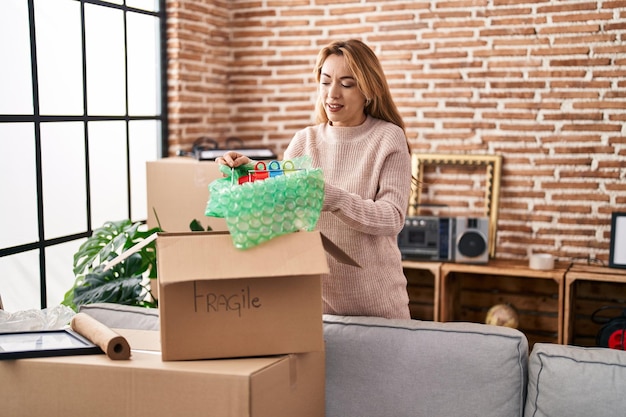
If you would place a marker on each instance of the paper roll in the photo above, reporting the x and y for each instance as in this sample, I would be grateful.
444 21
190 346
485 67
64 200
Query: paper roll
116 347
541 261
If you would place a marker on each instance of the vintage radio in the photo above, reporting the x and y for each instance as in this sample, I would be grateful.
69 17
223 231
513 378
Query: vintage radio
426 238
447 239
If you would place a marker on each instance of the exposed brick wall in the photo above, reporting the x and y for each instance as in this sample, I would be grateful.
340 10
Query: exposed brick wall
540 82
199 61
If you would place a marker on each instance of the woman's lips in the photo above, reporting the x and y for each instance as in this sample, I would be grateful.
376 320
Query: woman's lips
334 107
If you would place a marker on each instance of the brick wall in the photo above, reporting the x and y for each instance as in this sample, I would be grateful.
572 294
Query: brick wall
199 62
540 82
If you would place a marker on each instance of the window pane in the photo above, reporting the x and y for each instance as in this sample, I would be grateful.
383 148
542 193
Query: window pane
108 172
63 171
143 65
18 185
60 277
16 92
59 57
149 5
19 281
104 31
144 138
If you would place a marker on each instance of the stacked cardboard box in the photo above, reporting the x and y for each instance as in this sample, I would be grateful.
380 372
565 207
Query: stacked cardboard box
217 301
241 330
256 315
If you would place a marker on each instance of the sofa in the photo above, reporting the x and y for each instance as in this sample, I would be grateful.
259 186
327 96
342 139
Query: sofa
398 368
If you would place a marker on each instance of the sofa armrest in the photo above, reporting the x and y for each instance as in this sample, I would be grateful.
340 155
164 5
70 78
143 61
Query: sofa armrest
575 381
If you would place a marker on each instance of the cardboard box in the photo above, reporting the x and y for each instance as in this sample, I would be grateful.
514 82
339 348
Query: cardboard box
178 191
145 386
217 301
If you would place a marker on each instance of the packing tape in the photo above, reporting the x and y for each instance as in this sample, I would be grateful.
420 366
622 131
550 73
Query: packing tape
116 347
541 261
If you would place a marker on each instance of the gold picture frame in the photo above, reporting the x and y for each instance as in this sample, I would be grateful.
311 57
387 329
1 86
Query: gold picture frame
493 170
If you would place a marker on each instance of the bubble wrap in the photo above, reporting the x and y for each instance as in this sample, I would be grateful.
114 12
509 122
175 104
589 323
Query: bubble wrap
258 211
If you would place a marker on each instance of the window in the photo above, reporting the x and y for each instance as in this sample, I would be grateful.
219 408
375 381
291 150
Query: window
82 108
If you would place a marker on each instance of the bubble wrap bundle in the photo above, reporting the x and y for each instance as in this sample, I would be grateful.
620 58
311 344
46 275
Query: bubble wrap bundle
261 210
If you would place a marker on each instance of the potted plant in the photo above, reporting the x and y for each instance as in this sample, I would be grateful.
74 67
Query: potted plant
127 282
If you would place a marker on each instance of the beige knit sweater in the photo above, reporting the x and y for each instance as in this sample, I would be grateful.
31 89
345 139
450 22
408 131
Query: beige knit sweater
367 173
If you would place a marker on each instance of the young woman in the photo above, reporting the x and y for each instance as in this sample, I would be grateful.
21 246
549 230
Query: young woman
361 146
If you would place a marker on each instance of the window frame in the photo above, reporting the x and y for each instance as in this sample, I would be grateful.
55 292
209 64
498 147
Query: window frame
37 119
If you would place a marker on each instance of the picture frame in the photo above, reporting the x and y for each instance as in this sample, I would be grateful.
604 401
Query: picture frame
43 343
487 167
617 249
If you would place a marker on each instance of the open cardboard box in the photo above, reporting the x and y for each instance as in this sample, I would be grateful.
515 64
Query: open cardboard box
145 386
217 301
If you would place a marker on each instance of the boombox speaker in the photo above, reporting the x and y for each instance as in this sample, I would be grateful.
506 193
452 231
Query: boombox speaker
472 240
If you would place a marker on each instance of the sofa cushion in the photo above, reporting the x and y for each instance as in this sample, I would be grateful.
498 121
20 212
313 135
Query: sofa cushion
119 316
574 381
383 368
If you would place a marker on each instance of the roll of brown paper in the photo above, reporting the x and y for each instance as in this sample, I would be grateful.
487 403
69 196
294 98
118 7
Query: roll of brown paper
116 347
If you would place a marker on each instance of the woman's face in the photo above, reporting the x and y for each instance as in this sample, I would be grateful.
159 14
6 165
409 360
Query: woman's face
343 101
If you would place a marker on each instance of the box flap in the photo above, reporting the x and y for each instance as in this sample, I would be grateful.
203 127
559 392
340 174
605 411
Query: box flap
178 191
332 249
337 253
119 258
289 255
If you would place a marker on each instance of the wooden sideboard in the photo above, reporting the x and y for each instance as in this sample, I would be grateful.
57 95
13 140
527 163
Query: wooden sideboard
424 287
588 288
554 306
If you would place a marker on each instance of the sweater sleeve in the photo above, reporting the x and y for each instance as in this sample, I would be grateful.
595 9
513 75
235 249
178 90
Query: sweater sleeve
370 195
384 213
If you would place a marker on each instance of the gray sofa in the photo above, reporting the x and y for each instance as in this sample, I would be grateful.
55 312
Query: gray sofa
399 368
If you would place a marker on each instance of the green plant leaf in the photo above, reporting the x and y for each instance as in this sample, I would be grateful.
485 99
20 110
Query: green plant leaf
122 283
102 245
196 226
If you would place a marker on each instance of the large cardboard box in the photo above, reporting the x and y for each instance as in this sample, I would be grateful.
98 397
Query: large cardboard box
178 192
145 386
217 301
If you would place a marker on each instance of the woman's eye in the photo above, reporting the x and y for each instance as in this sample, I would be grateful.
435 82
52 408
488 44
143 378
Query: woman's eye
343 85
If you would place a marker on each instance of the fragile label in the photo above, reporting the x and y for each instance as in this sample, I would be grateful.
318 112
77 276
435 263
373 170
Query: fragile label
215 302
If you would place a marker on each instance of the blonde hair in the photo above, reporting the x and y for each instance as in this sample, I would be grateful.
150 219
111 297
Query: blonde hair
369 76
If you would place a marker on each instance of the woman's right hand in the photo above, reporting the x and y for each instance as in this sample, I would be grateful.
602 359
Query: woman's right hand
233 159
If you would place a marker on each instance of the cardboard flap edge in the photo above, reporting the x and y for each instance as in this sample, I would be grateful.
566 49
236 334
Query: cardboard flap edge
119 258
337 253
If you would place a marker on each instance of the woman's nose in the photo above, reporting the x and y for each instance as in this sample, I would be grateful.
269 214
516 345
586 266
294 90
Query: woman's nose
334 90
